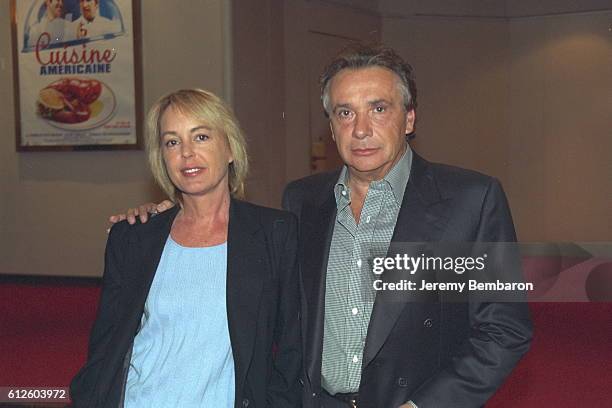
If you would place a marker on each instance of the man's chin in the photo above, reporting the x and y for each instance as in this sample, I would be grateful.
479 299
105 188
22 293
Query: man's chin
373 171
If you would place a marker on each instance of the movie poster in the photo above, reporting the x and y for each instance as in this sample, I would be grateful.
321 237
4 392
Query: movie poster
76 74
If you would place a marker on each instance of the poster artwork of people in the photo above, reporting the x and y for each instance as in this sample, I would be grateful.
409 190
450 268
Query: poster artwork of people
76 72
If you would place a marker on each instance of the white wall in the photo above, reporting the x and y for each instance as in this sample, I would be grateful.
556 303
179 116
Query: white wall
54 205
462 81
527 100
560 105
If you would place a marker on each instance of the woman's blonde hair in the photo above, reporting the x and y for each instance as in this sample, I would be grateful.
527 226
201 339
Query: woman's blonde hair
211 110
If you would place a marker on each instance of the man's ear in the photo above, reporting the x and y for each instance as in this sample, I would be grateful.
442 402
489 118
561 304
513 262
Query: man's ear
410 119
332 131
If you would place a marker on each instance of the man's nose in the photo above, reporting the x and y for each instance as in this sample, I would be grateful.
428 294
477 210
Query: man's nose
363 126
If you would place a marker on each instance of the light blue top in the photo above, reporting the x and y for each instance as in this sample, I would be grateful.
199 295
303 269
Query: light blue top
182 355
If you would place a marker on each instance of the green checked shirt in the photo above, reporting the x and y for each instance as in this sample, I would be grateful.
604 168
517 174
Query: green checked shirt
349 295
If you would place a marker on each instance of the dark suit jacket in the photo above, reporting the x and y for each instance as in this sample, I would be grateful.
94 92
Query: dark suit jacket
438 354
262 306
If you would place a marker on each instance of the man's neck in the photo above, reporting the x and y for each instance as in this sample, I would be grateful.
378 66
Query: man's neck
359 190
359 184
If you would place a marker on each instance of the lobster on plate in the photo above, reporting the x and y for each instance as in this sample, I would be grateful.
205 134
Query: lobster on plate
67 100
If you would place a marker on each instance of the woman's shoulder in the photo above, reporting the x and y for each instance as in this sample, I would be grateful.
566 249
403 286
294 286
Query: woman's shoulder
262 213
124 231
280 224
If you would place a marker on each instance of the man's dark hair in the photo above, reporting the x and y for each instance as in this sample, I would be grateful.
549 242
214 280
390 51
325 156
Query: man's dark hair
359 55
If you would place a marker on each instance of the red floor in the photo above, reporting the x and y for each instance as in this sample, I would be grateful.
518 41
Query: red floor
44 330
570 361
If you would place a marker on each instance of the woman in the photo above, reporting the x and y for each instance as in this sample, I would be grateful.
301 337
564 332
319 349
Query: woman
194 301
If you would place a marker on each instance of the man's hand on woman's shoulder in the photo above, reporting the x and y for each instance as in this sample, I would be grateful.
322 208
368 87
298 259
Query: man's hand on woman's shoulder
141 212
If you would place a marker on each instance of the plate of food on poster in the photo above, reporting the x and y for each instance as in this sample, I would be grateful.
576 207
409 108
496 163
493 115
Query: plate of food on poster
73 103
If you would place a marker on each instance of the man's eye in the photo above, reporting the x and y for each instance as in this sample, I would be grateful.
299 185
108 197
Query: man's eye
344 113
202 137
379 109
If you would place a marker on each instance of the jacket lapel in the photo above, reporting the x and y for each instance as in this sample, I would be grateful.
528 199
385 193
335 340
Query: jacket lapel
137 279
422 218
151 240
246 252
316 221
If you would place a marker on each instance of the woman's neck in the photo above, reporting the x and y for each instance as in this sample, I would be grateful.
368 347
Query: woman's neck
202 221
205 207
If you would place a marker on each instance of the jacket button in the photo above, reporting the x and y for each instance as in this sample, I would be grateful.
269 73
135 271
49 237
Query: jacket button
245 402
402 382
428 323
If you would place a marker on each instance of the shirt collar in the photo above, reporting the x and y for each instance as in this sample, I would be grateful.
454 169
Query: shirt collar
397 179
399 175
341 189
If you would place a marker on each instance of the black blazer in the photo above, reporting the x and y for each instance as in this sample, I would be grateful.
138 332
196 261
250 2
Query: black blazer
438 354
262 306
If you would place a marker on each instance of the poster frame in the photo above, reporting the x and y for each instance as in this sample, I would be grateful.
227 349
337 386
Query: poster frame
138 108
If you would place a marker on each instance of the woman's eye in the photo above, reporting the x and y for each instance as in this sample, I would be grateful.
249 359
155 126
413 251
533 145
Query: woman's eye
170 143
202 137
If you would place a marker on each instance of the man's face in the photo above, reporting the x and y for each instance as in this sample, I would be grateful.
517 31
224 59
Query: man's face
368 120
89 9
55 8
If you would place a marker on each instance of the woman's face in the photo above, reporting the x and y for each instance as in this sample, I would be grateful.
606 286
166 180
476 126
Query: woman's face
196 155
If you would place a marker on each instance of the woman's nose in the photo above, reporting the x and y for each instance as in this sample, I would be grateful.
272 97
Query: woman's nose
186 150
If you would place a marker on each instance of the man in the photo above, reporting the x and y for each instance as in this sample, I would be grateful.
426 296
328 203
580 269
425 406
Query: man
390 354
90 24
51 23
361 350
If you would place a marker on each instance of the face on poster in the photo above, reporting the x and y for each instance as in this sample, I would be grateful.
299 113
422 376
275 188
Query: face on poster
76 73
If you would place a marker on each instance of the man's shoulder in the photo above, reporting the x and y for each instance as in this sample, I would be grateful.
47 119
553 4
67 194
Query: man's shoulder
314 182
456 174
314 189
452 181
